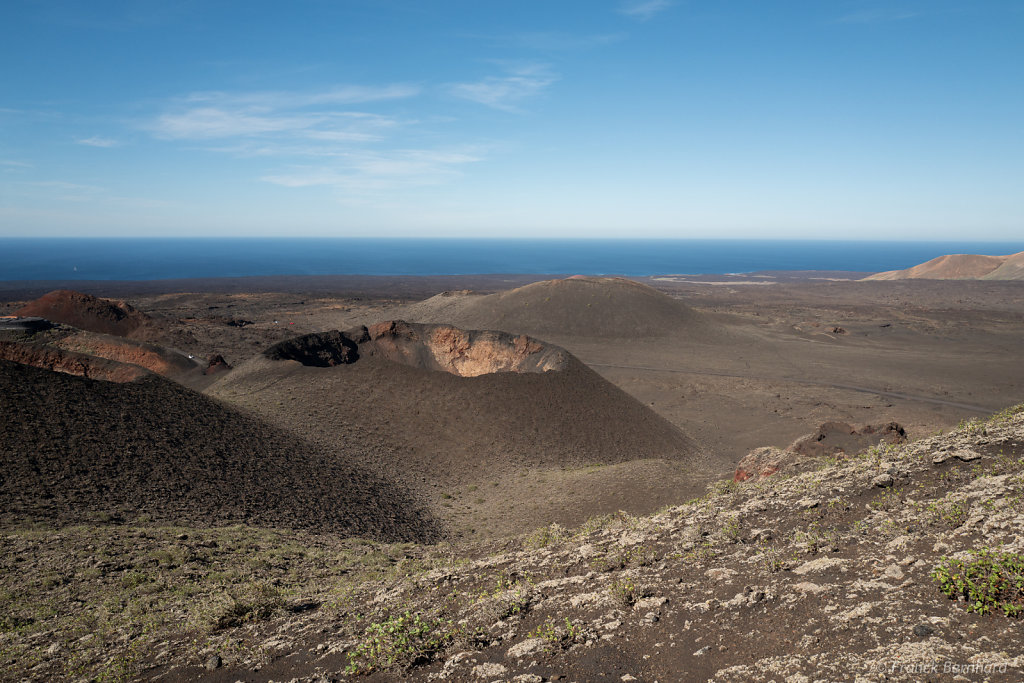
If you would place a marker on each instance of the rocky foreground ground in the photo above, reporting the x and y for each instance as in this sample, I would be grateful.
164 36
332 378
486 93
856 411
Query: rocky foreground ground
901 563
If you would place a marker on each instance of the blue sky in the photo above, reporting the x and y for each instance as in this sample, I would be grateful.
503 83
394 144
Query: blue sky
841 119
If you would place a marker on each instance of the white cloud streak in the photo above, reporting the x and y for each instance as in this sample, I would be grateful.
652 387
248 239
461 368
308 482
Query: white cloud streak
316 142
506 92
98 141
646 9
370 172
212 115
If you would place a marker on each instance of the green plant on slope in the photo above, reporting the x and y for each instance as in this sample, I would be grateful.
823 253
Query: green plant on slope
400 642
987 580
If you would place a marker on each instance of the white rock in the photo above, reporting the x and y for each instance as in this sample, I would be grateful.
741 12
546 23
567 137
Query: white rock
819 565
489 670
808 587
720 573
893 572
649 603
527 647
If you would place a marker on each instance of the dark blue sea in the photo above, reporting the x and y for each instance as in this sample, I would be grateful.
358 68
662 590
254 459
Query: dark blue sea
158 258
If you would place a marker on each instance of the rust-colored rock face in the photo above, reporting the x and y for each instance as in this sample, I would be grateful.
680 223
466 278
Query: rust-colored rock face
465 353
760 463
70 362
86 312
153 358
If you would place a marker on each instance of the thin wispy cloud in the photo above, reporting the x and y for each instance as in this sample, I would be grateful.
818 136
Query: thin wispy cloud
645 9
385 168
98 141
348 94
314 140
877 16
213 115
521 82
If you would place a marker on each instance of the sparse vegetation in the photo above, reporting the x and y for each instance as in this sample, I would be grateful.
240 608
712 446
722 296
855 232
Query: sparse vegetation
558 635
399 642
950 514
985 581
624 591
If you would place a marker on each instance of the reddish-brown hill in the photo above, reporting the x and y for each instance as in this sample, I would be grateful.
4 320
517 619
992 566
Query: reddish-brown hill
961 267
1012 269
70 362
73 448
86 312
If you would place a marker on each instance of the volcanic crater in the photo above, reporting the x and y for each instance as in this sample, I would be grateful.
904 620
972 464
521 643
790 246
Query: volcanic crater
443 348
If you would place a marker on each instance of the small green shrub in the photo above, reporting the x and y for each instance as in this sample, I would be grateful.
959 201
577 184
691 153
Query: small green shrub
951 515
399 643
561 636
773 560
624 591
891 499
987 580
815 539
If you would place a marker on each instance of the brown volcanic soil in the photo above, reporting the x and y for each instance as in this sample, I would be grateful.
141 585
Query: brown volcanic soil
444 430
447 426
74 448
86 312
576 306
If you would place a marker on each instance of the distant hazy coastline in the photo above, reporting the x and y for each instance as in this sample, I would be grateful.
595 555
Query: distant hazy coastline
166 258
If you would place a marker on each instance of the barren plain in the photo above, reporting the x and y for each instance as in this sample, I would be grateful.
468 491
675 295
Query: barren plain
398 475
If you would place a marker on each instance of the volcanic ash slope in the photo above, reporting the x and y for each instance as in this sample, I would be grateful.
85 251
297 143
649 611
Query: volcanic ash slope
450 405
575 307
75 449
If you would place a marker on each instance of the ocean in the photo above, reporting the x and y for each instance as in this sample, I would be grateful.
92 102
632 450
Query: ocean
164 258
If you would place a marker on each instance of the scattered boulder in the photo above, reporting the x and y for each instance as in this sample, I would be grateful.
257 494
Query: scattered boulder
840 438
831 439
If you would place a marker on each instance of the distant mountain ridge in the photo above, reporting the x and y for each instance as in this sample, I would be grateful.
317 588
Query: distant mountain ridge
961 267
